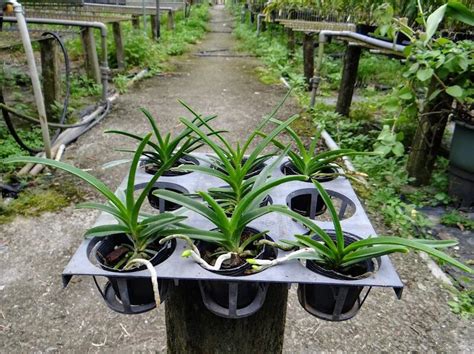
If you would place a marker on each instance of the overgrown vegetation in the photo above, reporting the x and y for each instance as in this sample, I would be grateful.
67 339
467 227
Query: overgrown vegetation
9 147
375 123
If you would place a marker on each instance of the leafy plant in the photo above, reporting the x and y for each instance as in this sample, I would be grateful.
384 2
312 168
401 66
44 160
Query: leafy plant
141 229
166 148
463 303
307 161
229 229
232 165
455 218
334 255
388 142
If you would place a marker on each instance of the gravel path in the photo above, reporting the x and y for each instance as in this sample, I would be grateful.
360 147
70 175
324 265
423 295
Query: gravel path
36 314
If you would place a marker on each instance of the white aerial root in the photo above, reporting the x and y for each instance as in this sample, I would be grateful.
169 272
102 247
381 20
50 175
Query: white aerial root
261 264
197 258
153 276
196 255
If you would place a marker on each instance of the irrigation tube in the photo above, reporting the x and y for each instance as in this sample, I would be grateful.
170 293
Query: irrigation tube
349 34
35 81
103 33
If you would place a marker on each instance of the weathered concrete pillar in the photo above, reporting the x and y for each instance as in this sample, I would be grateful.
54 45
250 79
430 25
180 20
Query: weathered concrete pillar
119 49
51 75
90 51
191 328
348 80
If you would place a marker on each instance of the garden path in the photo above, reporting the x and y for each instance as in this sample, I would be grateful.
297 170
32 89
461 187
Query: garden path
36 314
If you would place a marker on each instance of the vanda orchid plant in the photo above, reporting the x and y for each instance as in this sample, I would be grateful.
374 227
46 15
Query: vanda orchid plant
338 256
142 230
236 166
227 232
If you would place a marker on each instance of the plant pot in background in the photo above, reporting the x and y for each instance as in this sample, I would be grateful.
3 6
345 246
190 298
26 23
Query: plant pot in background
139 290
151 169
289 169
336 302
461 165
165 205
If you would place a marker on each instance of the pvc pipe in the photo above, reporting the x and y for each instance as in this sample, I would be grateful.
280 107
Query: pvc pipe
103 32
35 81
360 37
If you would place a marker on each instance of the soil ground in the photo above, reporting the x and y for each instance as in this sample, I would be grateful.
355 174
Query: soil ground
37 314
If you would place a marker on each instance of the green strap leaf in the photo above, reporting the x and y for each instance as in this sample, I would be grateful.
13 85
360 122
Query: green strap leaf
106 230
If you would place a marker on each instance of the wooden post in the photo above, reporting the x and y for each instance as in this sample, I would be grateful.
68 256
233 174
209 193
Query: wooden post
170 20
119 50
191 328
428 137
308 58
291 43
153 27
90 51
136 22
348 80
51 75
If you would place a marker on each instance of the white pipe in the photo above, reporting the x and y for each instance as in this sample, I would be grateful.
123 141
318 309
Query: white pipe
35 81
360 37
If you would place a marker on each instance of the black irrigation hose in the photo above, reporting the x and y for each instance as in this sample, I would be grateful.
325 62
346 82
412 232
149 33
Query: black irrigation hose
23 116
6 110
12 130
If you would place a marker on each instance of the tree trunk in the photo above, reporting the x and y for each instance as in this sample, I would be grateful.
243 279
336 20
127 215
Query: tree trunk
348 80
308 58
191 328
428 137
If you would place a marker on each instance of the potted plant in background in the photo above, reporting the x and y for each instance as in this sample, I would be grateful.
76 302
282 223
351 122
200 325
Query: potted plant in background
233 165
166 147
340 255
134 235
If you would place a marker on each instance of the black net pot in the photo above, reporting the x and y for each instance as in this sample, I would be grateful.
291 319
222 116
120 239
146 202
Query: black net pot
289 169
336 302
218 291
165 205
140 290
152 169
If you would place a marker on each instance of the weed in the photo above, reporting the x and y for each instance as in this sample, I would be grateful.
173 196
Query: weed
457 219
463 303
9 147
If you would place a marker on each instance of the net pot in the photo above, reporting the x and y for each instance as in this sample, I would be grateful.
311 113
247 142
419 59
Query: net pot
234 299
139 290
151 168
336 302
165 205
289 169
